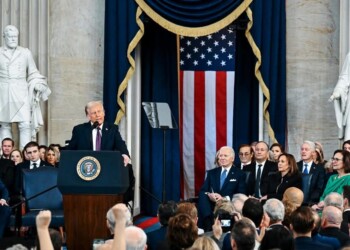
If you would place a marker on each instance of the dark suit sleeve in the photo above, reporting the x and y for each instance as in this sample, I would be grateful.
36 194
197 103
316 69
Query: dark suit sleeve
4 192
204 203
242 185
119 142
73 143
319 186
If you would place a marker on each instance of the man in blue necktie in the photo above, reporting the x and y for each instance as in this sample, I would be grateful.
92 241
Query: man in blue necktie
221 183
312 188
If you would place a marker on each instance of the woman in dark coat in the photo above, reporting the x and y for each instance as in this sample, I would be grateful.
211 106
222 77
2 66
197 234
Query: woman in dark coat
287 176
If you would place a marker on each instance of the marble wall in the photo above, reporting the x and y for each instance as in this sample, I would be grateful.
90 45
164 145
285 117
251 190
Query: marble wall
76 52
312 72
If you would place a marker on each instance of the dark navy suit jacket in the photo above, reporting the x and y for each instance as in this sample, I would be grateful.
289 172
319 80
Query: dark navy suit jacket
111 138
234 183
316 184
269 167
5 211
306 243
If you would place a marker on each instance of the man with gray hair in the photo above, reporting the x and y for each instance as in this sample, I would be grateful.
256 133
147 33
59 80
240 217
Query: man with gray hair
22 87
135 238
274 209
311 187
111 219
330 225
334 199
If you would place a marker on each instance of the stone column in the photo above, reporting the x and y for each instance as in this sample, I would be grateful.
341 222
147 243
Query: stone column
312 72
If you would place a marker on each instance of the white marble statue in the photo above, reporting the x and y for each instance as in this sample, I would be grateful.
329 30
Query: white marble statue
341 98
21 89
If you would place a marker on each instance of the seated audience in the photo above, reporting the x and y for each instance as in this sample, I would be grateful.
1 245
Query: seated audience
121 216
7 145
346 145
319 155
321 238
258 178
274 211
51 156
243 235
277 238
330 225
135 238
238 202
5 211
220 183
190 209
341 164
346 212
182 232
16 156
32 150
287 176
302 224
165 212
7 174
312 189
253 210
42 150
111 219
205 243
292 199
245 153
276 150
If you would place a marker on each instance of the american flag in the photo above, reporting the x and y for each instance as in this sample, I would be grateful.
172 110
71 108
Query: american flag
206 89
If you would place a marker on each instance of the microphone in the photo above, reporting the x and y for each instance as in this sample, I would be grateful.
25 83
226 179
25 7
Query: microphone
95 125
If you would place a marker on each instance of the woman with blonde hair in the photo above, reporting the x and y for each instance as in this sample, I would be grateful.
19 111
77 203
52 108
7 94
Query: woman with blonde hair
16 156
205 243
292 199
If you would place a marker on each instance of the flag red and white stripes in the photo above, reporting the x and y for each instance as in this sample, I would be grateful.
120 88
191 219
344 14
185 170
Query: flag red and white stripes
206 104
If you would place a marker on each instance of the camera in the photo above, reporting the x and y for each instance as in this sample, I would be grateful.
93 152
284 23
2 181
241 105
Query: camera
226 220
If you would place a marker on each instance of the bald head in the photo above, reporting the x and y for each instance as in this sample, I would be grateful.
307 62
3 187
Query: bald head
331 217
135 238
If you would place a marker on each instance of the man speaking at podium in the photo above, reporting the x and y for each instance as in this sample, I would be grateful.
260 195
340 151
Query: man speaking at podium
99 135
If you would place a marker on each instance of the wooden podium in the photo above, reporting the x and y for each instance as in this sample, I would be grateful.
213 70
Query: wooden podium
91 182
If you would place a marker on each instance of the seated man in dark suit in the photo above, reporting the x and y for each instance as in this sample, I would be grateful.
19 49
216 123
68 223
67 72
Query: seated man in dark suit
221 183
330 225
302 223
5 211
99 135
157 238
313 188
346 212
7 174
32 150
7 145
259 170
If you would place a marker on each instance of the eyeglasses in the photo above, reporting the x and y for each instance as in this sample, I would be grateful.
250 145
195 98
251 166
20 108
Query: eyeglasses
336 159
244 154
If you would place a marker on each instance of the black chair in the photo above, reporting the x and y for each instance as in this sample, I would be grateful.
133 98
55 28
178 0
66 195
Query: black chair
41 193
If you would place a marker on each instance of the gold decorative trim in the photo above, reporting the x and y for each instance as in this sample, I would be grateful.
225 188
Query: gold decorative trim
124 84
88 168
258 75
197 31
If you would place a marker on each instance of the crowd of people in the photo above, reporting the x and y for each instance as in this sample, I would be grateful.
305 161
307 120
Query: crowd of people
267 201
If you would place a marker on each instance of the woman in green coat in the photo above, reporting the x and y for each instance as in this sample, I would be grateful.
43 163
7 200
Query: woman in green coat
340 164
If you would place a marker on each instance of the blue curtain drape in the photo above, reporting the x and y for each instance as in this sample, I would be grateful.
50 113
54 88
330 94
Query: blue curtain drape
120 29
159 81
269 32
193 13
